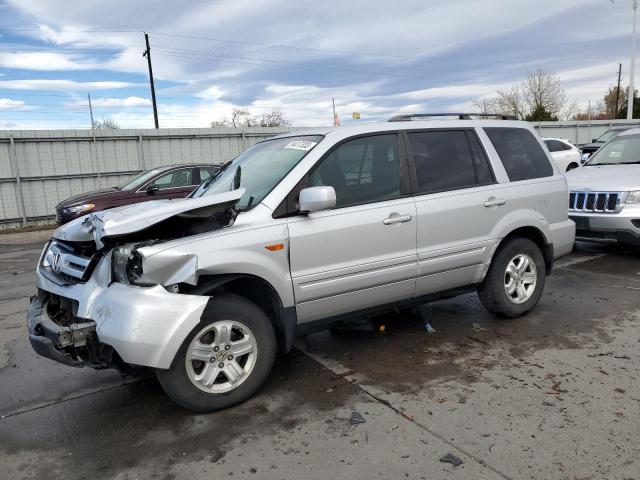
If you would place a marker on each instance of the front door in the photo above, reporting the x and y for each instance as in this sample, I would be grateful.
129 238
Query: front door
362 253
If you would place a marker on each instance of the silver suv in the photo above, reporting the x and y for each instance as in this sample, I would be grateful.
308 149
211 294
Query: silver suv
295 233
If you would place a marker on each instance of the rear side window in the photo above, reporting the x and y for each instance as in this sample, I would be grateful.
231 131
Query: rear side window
448 160
521 154
554 145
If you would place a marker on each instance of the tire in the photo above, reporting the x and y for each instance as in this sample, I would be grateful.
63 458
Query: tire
186 382
571 166
493 290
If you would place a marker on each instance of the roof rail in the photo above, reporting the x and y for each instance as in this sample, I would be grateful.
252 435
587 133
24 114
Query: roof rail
461 116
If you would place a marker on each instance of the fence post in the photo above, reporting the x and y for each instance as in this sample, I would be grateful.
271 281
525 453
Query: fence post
16 172
140 153
577 132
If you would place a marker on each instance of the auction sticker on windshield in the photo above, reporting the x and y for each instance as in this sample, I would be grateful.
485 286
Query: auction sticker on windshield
300 145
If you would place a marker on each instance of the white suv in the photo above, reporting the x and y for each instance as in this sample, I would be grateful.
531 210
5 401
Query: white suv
295 233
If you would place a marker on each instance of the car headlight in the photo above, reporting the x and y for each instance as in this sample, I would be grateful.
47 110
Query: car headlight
584 157
126 264
633 197
85 207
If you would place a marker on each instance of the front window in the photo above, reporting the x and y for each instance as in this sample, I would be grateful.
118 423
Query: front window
138 180
619 151
608 135
259 169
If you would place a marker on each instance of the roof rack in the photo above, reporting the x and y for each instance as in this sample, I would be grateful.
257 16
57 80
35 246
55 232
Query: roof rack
461 116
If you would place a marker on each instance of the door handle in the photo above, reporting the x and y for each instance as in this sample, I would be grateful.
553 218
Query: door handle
396 218
494 202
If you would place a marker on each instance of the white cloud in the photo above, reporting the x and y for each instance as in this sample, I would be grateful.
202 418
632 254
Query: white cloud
62 85
9 104
113 102
45 61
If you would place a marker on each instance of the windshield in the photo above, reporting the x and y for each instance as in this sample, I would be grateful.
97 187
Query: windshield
608 135
138 180
620 150
258 169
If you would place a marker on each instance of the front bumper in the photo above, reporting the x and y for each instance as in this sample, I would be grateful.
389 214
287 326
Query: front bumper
622 227
144 326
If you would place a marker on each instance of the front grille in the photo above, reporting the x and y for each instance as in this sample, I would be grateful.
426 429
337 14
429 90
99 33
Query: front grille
67 263
596 202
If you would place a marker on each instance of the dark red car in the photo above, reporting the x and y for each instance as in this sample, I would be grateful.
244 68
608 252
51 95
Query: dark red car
172 181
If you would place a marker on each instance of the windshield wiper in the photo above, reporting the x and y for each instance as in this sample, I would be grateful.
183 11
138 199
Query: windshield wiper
207 183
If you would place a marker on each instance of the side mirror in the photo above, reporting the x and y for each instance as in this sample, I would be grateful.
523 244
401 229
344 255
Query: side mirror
152 188
594 140
314 199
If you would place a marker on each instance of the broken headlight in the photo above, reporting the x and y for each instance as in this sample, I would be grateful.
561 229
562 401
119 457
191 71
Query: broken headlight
126 264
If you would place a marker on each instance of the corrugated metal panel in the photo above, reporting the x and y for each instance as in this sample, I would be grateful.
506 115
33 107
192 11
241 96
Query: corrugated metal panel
57 164
580 132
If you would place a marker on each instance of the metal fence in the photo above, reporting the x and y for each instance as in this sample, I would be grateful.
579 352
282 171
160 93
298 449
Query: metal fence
579 132
38 168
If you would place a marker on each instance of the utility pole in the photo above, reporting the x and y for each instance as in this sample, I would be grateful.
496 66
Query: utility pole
147 53
617 109
336 121
634 4
93 133
93 125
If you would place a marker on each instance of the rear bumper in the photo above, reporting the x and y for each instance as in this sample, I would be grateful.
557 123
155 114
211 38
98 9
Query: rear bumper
562 236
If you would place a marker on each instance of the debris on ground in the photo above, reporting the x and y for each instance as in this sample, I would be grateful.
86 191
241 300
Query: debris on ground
430 330
620 390
393 428
477 328
477 340
548 404
452 459
357 418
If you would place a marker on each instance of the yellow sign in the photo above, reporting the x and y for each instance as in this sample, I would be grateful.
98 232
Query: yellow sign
356 115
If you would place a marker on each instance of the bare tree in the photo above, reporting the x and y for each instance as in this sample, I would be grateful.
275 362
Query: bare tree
274 118
542 91
241 117
106 123
511 102
486 105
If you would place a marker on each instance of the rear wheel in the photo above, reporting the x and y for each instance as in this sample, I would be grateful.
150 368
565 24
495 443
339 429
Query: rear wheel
515 280
225 359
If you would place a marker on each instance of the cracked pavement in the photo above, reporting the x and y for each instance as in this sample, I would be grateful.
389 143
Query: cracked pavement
554 394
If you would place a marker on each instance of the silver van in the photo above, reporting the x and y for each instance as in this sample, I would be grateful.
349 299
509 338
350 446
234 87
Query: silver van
297 232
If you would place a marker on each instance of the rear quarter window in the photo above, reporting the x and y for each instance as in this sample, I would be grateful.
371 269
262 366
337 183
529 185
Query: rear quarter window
521 154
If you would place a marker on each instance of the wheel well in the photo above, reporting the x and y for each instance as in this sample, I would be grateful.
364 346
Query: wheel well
572 165
260 292
537 237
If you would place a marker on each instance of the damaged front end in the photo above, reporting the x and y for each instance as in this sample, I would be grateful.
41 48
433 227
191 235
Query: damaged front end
89 309
57 333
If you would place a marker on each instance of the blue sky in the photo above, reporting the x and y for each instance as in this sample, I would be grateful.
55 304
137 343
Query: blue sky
378 58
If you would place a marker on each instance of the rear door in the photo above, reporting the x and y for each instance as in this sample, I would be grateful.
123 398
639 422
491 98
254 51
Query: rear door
459 206
363 252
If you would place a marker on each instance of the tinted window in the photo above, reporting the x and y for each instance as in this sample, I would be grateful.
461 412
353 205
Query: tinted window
362 170
520 152
566 145
444 161
205 172
554 145
484 173
175 179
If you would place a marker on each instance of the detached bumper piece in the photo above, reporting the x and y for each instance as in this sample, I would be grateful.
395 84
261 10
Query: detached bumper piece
63 337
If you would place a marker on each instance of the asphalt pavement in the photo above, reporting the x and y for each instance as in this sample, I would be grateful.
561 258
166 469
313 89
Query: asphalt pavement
554 394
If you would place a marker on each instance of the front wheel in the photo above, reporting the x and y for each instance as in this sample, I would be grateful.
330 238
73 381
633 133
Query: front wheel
515 280
571 166
225 359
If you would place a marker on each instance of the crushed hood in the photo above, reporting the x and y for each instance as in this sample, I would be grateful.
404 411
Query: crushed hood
605 178
129 219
